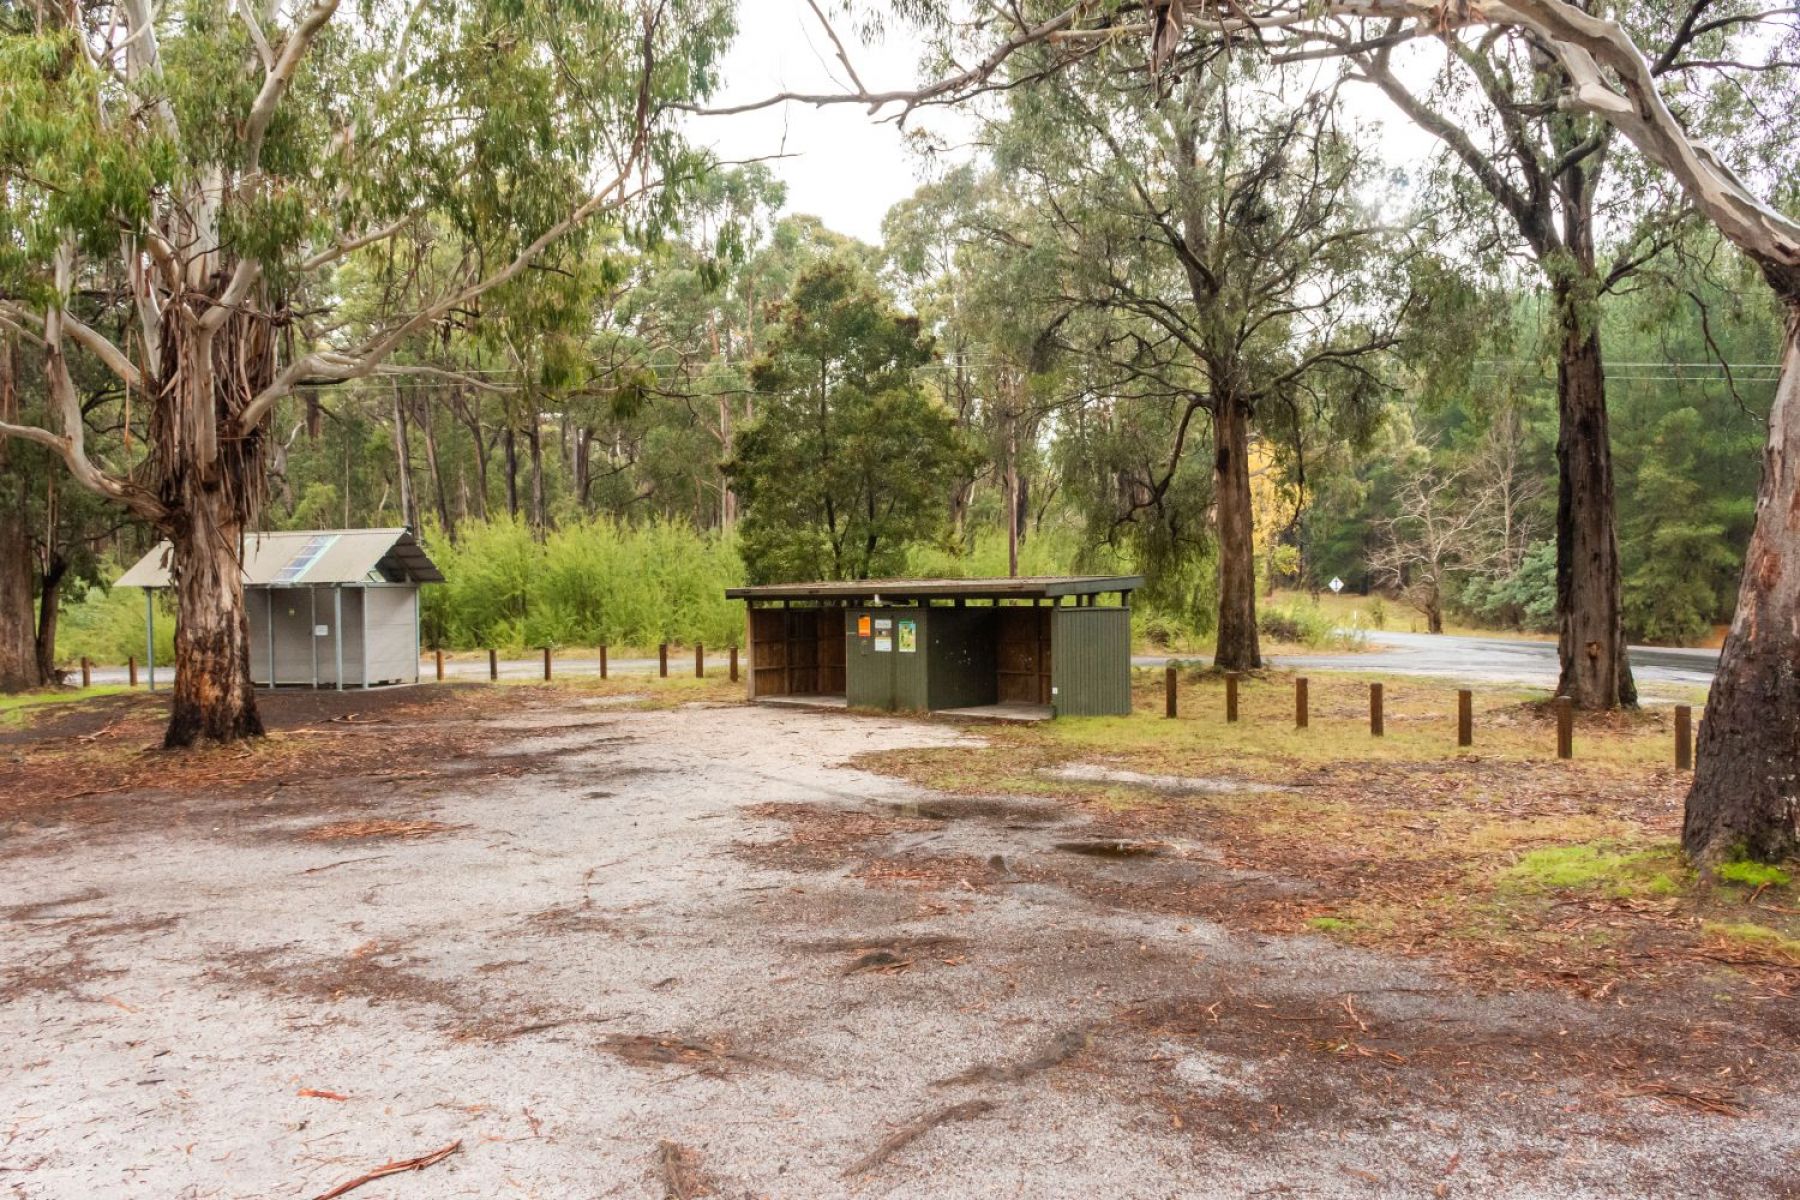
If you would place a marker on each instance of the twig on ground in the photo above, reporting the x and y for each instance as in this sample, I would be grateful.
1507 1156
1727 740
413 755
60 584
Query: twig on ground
398 1166
917 1128
344 862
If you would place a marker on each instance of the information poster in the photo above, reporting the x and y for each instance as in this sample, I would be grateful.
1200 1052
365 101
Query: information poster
909 637
862 625
883 644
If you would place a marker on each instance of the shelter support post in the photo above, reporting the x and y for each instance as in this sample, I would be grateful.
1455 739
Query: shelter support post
269 628
337 634
150 634
312 633
363 639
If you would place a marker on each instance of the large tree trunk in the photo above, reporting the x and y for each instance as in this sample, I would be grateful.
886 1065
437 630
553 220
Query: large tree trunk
1237 648
214 700
49 608
18 657
1596 673
1746 795
18 650
211 488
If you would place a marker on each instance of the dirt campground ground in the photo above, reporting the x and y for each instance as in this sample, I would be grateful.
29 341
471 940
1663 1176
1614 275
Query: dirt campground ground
462 942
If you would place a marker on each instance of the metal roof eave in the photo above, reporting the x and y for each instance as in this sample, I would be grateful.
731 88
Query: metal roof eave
1029 588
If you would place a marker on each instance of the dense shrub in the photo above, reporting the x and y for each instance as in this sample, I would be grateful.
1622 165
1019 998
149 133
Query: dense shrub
590 582
1304 624
107 625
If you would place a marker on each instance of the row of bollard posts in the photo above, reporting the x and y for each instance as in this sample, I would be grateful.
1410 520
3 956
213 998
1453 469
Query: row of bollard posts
1563 707
493 657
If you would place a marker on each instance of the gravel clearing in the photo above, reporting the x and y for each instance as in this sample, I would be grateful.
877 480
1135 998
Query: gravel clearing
596 981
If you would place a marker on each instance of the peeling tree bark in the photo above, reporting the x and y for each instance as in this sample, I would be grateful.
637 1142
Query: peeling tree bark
1746 795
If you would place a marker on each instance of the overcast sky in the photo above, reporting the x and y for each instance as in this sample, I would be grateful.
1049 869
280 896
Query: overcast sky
848 168
842 165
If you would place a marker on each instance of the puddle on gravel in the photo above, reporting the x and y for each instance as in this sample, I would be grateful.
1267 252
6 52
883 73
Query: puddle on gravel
1115 848
1095 773
973 809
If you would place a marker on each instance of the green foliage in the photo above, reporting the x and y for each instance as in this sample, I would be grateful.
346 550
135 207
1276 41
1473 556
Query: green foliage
107 625
1304 623
591 582
1523 599
849 462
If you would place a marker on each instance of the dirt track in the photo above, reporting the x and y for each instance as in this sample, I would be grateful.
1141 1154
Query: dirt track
620 953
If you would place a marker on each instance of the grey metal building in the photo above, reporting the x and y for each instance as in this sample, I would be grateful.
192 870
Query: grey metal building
1020 649
328 608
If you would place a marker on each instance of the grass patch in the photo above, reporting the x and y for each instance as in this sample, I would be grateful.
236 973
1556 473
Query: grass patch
18 711
1602 866
1331 924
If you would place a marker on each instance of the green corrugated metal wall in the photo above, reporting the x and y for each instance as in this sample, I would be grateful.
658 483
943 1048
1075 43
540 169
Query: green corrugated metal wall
891 678
954 662
961 657
1090 661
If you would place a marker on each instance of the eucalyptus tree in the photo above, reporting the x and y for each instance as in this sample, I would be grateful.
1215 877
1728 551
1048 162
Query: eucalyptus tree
1745 797
1228 229
211 163
1559 180
847 462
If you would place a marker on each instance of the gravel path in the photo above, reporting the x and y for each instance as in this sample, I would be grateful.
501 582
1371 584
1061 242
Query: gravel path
593 980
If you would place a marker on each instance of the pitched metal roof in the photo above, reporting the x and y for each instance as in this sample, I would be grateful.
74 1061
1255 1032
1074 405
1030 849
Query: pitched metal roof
1030 587
336 556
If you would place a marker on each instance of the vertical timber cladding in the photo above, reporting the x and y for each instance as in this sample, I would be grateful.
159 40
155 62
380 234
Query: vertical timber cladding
796 652
1092 661
1025 658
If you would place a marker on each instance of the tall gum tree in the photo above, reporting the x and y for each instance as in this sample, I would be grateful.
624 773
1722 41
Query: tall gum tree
1746 792
211 163
1228 232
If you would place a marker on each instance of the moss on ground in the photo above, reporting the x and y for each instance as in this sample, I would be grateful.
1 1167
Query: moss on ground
1602 866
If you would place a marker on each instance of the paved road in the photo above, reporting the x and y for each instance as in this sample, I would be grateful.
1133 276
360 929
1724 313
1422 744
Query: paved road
1491 660
1474 659
681 663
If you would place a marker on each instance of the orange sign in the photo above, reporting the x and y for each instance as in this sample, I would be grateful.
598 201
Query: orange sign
862 625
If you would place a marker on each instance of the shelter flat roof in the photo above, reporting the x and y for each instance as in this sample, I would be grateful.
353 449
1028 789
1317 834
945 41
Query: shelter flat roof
338 556
1030 587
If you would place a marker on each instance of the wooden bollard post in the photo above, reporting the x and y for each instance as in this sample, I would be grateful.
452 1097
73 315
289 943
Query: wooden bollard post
1300 703
1465 717
1565 727
699 661
546 664
1684 738
87 672
603 660
131 668
662 660
440 666
493 666
1376 719
1231 686
734 675
1169 690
